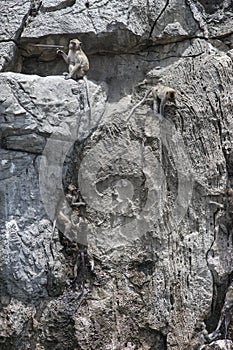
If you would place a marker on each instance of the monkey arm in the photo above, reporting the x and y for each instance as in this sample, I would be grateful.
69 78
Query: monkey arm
64 56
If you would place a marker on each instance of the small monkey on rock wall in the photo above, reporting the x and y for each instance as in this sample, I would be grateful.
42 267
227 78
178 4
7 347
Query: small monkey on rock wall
76 59
161 94
78 64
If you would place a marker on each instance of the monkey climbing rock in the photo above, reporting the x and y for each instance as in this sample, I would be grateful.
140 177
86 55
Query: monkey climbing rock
161 94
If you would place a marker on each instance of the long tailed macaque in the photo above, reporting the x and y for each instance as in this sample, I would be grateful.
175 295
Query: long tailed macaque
161 94
76 59
78 63
225 314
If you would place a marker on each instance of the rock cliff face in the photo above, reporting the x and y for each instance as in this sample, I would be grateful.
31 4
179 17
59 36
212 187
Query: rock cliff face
116 232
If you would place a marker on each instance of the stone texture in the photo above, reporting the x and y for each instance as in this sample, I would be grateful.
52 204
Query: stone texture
10 59
220 344
13 16
147 264
129 25
12 26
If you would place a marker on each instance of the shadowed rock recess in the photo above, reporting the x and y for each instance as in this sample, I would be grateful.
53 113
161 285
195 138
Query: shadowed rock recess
116 233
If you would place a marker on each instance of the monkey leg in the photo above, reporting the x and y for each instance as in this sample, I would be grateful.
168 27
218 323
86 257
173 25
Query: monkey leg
64 56
75 71
82 73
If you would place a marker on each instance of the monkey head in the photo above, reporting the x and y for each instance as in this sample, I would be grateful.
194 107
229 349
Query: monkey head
75 45
170 94
229 192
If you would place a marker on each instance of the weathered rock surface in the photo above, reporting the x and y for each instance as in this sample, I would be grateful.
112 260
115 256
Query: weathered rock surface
158 259
12 26
218 345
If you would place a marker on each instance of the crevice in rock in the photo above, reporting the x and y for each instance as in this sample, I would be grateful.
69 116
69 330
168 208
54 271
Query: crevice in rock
198 16
158 17
222 226
222 36
33 10
15 92
60 6
8 41
219 292
31 143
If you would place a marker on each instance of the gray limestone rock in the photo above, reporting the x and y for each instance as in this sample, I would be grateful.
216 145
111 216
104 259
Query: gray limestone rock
116 233
12 26
219 345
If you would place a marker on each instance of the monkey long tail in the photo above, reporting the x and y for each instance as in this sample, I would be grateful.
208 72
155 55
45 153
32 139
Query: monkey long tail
88 99
138 104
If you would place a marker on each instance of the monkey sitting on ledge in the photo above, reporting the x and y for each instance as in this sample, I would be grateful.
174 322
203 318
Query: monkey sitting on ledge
76 59
78 65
